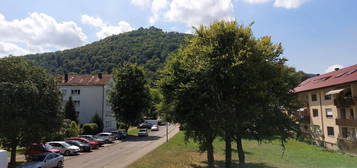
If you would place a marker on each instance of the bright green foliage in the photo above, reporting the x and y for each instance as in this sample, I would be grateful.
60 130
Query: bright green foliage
227 82
70 111
130 96
30 104
148 47
98 120
72 130
90 129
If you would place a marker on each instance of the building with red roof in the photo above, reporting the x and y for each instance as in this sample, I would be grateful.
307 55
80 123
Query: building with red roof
90 96
330 108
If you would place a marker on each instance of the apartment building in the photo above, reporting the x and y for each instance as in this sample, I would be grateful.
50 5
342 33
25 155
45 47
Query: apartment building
330 108
90 96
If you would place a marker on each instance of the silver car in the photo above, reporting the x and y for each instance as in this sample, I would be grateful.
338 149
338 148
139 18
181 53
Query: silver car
65 148
44 160
106 136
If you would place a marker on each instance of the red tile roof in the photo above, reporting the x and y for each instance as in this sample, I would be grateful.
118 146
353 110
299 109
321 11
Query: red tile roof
342 76
84 80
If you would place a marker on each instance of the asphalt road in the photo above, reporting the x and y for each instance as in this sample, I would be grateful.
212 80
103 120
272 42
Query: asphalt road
123 153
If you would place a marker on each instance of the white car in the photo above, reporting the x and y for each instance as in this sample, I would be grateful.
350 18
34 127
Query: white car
155 128
44 160
143 132
106 136
3 159
65 148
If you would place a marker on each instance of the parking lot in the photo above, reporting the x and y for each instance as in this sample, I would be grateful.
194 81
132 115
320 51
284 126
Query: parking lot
120 153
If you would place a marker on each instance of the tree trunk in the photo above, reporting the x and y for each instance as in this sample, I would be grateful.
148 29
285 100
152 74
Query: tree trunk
210 155
13 155
228 140
241 154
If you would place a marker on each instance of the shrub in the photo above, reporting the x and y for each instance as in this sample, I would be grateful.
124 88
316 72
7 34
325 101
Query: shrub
73 130
90 128
96 119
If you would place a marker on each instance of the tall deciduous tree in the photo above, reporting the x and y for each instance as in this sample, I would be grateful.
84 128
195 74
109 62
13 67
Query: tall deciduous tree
30 104
70 111
129 97
227 82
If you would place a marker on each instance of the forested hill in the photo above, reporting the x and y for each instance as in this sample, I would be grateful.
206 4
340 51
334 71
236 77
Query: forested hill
148 47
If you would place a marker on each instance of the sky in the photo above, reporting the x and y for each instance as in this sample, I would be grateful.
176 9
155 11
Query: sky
317 35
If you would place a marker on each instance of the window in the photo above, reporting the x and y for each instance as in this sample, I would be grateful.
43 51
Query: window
329 113
76 92
330 131
314 97
76 102
343 113
352 116
327 97
344 132
315 112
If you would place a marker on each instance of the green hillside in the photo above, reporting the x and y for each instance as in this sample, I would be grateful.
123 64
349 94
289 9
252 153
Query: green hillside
148 47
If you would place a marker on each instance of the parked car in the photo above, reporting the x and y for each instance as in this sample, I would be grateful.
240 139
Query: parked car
37 148
145 125
93 144
155 128
65 148
143 132
119 134
82 146
92 138
3 159
107 136
44 160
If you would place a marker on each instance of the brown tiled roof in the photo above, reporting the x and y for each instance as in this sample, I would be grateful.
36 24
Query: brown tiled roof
84 80
342 76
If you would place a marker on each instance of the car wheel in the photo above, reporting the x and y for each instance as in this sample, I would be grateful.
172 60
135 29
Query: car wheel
66 153
60 164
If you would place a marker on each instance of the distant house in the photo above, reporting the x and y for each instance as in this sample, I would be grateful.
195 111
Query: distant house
330 107
90 96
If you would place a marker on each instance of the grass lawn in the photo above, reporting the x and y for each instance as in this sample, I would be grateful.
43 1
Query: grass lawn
177 154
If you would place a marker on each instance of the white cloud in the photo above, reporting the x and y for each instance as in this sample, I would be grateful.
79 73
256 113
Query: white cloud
106 30
156 7
332 68
38 31
7 49
256 1
288 4
197 12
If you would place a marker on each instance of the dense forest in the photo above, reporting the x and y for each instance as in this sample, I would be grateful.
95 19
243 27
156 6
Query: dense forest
148 47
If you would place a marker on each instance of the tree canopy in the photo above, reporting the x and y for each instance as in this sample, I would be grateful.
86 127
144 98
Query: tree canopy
130 95
30 104
226 82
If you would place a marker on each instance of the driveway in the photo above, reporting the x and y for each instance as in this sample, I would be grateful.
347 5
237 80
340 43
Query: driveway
121 154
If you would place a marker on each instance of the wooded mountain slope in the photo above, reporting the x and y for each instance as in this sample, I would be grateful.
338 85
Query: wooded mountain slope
148 47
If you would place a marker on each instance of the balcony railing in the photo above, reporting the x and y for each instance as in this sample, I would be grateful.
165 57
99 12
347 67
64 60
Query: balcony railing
346 122
344 101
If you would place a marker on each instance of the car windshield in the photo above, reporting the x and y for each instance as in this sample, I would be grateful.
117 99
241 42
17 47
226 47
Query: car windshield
48 147
37 158
142 130
66 145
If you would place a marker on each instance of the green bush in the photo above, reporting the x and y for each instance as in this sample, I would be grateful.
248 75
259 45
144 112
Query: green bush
96 119
90 128
73 130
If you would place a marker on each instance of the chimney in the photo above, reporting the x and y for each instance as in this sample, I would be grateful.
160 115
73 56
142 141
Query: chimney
317 74
65 77
100 76
336 69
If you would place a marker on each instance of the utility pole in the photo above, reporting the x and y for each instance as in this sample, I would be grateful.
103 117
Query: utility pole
167 131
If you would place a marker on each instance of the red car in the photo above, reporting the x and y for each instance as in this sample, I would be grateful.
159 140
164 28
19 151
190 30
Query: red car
37 148
93 144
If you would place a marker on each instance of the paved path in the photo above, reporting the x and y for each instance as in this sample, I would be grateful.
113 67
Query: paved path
121 154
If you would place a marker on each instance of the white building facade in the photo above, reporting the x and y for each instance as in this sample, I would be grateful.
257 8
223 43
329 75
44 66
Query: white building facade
90 96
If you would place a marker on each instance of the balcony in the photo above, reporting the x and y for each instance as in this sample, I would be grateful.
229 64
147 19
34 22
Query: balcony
345 101
346 122
305 119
